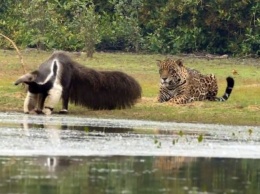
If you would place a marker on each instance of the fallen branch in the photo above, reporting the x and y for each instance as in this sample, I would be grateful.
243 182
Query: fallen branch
207 56
17 50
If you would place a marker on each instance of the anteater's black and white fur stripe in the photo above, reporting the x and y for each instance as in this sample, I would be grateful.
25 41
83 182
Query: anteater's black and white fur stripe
61 77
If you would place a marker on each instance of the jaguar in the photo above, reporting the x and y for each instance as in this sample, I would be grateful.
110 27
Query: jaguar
180 84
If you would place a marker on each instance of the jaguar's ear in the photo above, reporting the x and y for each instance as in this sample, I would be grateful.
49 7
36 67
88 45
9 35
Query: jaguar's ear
158 62
179 62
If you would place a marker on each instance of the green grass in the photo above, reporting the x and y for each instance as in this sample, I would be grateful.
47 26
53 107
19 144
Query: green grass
242 108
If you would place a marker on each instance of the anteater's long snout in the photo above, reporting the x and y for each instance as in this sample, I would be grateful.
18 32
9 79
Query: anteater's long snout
27 78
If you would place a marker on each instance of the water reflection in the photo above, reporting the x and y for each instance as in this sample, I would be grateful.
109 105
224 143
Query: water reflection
68 155
119 174
29 135
47 123
56 133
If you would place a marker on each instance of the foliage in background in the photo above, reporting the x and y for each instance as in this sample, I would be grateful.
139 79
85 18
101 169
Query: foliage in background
83 22
165 26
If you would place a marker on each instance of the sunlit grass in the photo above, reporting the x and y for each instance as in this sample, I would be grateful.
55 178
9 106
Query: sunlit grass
243 107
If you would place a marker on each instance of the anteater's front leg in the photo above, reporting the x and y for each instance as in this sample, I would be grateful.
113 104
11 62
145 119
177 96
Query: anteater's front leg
40 103
52 99
29 102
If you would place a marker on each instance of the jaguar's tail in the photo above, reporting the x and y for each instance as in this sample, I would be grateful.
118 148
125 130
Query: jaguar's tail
230 85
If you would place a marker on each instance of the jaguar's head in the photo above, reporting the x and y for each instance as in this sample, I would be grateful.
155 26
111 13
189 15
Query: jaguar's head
172 73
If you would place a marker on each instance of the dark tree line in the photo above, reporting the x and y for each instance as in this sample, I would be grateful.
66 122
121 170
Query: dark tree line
155 26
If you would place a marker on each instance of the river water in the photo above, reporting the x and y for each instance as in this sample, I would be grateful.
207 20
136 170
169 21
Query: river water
68 154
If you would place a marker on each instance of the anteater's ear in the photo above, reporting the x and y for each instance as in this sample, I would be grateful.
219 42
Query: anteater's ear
179 62
158 62
27 78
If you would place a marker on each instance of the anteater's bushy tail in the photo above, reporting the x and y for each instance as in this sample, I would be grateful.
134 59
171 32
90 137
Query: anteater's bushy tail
103 89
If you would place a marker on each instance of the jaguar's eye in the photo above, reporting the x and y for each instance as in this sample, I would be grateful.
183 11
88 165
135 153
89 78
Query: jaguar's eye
172 70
